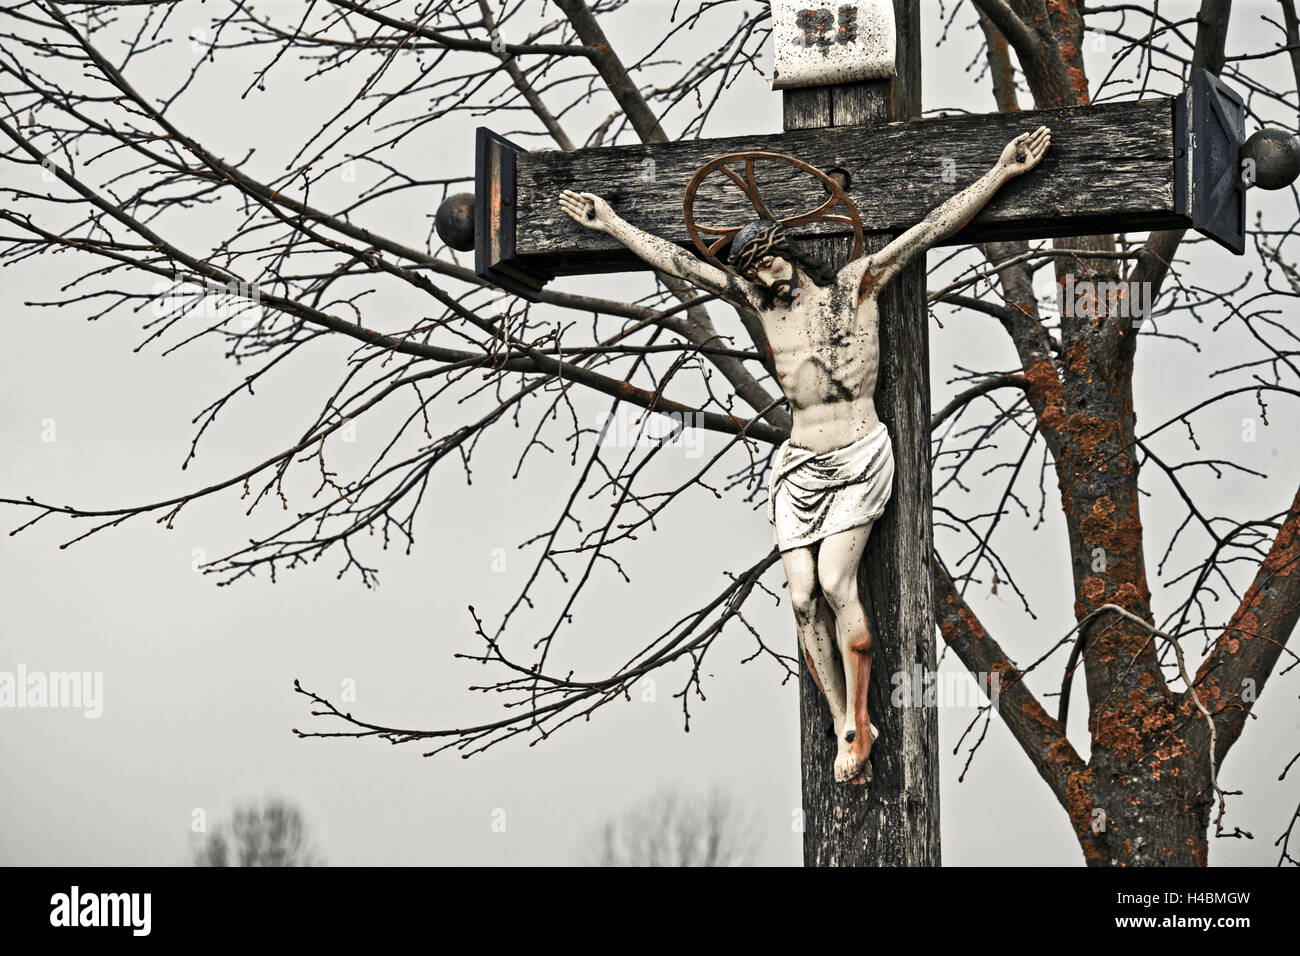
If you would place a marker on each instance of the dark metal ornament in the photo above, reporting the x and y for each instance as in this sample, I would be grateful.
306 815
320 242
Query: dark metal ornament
749 186
455 222
1273 156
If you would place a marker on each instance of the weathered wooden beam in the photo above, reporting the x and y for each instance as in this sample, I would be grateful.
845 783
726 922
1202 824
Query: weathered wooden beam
893 821
1165 163
1110 167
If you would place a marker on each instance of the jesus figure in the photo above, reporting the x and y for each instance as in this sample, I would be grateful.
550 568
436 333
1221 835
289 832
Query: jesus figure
832 479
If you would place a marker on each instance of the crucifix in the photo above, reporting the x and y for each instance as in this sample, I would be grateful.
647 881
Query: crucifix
837 283
833 477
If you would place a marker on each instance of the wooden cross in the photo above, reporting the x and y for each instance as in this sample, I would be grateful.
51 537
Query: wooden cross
1158 163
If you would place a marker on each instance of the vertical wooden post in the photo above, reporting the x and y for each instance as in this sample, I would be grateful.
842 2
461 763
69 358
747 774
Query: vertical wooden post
894 821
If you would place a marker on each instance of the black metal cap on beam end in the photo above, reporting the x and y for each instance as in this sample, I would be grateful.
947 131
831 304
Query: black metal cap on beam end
1270 159
494 218
1215 163
1209 132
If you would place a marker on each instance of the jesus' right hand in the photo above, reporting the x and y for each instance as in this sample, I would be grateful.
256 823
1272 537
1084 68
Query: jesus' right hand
1024 152
587 209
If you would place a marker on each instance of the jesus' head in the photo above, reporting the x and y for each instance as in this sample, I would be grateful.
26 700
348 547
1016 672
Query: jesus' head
763 254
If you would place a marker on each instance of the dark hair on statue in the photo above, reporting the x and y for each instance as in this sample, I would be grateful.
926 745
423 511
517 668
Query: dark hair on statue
815 269
764 237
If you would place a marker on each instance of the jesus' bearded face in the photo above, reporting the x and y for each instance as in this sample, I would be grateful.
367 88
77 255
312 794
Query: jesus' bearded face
775 274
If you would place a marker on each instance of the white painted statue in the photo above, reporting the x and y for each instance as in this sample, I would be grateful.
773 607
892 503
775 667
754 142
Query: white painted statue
833 478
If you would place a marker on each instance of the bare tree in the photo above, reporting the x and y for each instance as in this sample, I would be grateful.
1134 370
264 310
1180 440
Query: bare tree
274 833
288 253
676 829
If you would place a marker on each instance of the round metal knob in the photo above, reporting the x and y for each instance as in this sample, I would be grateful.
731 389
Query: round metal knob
455 221
1271 159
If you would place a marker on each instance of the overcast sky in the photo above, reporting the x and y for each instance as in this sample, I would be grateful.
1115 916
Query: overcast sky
198 704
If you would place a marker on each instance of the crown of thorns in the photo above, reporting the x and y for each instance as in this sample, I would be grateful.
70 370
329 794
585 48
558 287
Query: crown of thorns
756 241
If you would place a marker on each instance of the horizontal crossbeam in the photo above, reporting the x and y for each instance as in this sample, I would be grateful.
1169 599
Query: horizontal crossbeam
1119 167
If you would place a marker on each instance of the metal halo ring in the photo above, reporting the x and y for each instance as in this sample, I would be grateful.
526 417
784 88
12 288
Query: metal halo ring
749 186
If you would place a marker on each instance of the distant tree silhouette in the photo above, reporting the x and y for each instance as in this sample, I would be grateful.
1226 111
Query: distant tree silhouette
273 834
672 829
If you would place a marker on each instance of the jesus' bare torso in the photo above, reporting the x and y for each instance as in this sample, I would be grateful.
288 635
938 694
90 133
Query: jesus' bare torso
826 349
824 335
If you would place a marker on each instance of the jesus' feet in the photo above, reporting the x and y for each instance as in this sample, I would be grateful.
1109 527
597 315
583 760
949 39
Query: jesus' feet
852 762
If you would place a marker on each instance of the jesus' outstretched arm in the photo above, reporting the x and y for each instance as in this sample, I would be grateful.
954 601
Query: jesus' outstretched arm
593 212
1019 156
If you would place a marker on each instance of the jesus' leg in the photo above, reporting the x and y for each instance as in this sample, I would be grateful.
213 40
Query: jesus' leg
815 638
837 574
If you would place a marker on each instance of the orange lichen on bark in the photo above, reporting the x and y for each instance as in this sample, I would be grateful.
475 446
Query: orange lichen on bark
1032 709
1121 541
1079 80
1089 431
1079 805
1245 623
1282 558
969 622
1128 593
1154 719
1076 358
1211 697
1117 730
1176 748
1060 752
1045 387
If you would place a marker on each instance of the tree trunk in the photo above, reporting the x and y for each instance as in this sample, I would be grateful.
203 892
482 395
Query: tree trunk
1131 815
893 821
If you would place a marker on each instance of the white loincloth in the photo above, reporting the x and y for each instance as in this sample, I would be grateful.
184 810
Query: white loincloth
812 496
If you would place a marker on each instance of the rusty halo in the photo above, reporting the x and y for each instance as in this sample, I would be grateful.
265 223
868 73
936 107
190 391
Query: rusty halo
749 186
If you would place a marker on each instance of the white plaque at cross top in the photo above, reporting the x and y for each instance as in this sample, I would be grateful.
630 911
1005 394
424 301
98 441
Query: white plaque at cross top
828 43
